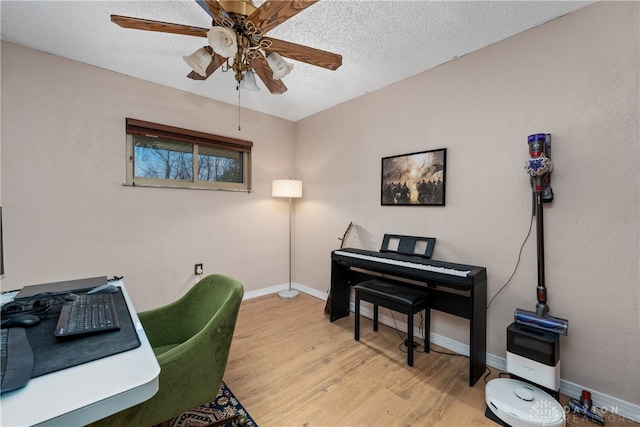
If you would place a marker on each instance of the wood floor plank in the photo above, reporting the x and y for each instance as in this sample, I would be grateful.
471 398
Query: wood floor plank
290 366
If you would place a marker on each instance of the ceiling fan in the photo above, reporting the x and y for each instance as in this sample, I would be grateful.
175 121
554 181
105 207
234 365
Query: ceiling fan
238 41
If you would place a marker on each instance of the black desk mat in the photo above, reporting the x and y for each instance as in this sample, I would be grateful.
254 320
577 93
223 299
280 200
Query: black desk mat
53 355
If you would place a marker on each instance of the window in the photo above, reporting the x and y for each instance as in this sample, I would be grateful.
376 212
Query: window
166 156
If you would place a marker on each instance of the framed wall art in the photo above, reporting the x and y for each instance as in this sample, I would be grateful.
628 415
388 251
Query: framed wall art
416 179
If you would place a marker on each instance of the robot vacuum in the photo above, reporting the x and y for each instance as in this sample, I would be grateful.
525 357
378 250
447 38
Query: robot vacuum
517 403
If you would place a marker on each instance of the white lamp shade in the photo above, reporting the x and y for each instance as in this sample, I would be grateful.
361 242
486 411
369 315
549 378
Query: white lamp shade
223 41
249 81
291 188
199 61
278 65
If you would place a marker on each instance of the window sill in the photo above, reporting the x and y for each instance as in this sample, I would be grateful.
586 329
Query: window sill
178 187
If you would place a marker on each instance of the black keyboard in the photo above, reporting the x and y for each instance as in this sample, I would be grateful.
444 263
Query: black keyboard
457 276
89 314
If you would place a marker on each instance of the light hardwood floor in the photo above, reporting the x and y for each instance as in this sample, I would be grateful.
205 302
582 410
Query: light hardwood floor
290 366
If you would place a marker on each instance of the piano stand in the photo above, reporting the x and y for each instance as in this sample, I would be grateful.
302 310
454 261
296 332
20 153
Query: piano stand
398 298
456 289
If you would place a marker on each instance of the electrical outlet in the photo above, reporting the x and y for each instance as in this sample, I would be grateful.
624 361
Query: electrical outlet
198 270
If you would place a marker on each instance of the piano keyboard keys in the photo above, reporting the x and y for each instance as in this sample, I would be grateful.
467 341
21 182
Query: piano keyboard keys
406 264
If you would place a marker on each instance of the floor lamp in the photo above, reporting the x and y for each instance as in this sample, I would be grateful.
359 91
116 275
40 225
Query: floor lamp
291 189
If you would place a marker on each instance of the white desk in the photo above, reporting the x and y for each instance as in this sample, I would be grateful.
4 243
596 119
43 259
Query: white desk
86 393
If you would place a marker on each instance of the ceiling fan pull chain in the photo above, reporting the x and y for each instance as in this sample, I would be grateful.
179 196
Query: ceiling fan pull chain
238 89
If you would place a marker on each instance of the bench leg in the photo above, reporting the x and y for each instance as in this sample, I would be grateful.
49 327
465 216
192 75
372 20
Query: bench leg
375 317
356 327
410 338
427 329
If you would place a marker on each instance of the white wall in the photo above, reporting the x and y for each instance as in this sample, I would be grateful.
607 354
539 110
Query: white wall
67 214
576 78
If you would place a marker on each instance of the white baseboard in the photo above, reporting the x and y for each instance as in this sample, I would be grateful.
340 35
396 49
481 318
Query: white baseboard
614 406
278 288
263 292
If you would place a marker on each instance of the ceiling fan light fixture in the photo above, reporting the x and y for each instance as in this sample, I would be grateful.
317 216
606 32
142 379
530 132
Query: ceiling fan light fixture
236 41
249 81
278 65
199 61
223 41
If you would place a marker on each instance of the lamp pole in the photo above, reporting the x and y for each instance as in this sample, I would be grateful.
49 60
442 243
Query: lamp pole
289 293
291 189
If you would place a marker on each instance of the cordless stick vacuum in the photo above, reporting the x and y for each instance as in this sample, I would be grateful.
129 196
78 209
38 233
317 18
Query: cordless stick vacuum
533 350
539 167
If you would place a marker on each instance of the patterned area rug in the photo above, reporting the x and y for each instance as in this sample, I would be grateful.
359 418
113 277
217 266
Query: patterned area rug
224 405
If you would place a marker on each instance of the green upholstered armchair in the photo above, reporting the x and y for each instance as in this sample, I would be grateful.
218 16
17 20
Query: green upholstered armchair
191 338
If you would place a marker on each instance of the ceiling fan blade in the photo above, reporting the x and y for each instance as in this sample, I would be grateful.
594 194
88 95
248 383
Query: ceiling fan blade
216 63
317 57
262 69
274 12
203 4
213 8
162 27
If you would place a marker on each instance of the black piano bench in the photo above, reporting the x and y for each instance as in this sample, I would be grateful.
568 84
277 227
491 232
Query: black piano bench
399 298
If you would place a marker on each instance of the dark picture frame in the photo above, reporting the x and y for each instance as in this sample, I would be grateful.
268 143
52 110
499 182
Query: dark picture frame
414 179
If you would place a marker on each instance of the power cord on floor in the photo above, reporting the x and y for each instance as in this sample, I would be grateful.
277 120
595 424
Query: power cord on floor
403 346
500 375
448 353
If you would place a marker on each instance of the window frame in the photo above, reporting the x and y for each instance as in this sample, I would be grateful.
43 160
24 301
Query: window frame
195 139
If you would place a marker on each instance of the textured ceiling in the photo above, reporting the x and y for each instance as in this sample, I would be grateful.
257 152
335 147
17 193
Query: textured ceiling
381 42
